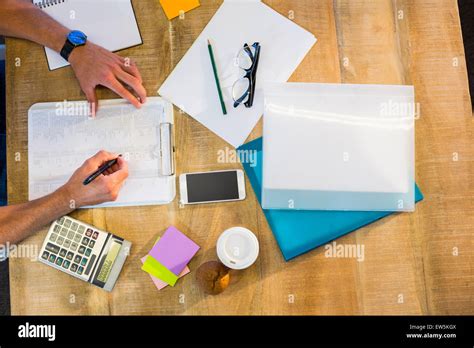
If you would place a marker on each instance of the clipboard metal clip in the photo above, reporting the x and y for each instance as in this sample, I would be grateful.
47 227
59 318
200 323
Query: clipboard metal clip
167 150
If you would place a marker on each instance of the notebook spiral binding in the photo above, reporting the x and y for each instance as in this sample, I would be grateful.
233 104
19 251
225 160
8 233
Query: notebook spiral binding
48 3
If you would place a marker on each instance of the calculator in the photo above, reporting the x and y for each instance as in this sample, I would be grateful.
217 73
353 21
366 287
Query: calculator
85 252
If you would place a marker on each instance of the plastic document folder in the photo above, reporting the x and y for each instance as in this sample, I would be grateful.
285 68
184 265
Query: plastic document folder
339 147
61 137
191 85
299 231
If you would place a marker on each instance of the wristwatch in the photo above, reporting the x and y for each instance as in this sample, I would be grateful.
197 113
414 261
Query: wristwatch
74 39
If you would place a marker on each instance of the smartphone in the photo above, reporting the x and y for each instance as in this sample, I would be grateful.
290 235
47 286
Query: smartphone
212 187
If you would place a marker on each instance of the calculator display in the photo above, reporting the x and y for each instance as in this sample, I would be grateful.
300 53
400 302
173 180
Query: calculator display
106 266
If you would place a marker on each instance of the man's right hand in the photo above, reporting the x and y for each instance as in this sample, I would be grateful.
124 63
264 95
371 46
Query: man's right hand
104 188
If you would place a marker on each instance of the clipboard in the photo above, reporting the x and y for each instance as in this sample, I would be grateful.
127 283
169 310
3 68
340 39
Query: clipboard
61 137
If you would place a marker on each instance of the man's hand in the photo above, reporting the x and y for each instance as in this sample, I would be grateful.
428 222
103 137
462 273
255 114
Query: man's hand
105 188
94 66
21 220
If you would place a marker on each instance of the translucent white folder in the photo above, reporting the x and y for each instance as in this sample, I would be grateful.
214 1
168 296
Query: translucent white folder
338 147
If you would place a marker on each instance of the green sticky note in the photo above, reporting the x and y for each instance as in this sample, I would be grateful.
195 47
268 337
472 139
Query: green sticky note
159 271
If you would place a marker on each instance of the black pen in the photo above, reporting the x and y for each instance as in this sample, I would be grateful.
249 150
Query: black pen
102 168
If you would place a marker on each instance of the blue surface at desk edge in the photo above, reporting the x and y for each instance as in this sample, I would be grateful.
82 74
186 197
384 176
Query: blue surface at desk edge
299 231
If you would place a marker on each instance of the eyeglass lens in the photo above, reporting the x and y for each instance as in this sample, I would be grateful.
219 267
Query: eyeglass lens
245 61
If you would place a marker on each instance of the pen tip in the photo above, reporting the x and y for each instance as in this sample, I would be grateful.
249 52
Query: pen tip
208 41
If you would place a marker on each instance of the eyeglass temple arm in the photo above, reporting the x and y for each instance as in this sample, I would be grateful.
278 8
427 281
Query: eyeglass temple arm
253 77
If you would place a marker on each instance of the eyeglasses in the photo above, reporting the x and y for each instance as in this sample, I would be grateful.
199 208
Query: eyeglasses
243 90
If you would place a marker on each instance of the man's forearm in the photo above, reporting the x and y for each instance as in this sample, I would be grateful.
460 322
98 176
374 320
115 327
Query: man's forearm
17 222
22 19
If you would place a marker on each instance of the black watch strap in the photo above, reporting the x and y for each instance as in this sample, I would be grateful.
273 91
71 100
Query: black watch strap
67 50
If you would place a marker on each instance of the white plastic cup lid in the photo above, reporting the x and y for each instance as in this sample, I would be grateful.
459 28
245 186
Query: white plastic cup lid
237 248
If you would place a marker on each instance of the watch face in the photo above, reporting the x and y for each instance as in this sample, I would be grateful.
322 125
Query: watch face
77 37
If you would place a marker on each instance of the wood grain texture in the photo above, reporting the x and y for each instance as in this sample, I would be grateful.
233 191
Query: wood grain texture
409 266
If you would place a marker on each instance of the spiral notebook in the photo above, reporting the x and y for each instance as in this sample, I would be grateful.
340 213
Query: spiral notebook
110 24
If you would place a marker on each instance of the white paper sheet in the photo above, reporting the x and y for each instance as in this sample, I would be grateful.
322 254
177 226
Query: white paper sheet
338 147
61 138
191 85
110 24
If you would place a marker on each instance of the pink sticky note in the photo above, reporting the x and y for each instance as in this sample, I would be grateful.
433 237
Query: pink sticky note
158 282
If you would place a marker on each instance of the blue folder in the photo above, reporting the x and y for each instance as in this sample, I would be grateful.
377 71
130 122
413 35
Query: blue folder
299 231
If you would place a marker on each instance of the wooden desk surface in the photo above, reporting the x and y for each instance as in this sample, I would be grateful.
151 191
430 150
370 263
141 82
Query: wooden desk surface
420 263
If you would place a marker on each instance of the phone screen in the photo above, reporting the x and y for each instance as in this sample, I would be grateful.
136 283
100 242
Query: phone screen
214 186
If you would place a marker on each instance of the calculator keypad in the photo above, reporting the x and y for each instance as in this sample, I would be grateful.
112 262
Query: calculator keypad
70 246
